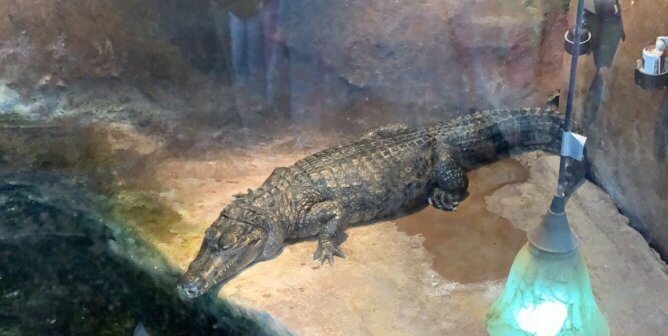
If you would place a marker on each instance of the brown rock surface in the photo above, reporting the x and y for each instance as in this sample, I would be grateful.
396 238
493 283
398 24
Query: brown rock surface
309 60
56 42
434 53
628 126
388 285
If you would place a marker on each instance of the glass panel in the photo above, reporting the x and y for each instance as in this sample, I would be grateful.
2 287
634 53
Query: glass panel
194 167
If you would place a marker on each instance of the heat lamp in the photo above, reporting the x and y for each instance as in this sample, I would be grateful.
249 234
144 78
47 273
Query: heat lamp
548 291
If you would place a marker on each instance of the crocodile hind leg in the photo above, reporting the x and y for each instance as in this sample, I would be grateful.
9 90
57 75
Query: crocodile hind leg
328 216
449 179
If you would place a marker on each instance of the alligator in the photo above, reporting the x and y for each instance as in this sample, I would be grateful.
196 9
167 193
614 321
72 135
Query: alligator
389 171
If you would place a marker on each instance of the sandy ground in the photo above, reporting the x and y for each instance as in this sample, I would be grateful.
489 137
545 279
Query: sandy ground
431 273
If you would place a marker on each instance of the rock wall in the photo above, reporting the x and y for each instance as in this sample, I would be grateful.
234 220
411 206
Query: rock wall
628 126
65 41
307 59
424 56
430 53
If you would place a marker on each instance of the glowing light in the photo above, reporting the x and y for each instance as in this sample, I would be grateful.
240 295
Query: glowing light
547 294
544 319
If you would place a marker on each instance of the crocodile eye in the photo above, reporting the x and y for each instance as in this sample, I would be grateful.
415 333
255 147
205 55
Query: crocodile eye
228 241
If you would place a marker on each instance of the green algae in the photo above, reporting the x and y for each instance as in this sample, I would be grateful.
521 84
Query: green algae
59 276
143 210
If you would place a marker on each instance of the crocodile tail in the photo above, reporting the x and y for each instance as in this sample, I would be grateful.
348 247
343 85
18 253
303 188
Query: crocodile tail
485 136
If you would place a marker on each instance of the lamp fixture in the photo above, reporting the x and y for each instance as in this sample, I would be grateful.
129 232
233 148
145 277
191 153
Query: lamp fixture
548 291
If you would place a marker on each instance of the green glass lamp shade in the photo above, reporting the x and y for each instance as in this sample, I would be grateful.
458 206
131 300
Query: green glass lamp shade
547 294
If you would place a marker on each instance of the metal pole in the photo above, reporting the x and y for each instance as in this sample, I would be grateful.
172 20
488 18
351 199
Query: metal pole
571 90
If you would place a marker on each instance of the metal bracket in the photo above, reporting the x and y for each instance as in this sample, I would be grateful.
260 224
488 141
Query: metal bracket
572 145
554 233
661 43
590 5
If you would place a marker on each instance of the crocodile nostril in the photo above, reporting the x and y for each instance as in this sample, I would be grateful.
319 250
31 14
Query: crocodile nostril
188 292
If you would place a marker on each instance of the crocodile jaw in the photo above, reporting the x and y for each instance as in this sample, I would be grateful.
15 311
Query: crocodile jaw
214 265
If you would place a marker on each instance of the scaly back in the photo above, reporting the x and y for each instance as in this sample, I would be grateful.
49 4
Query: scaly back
489 135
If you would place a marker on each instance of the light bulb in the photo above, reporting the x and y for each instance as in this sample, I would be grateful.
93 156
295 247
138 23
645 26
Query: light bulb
546 294
543 319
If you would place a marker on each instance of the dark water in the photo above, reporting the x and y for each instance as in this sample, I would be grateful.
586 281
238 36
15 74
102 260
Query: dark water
58 276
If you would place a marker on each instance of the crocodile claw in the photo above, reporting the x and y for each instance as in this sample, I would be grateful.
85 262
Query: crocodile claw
326 251
443 201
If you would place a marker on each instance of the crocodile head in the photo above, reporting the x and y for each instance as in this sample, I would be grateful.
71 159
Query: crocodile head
228 247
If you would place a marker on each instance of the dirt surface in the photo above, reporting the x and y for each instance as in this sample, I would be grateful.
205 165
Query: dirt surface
471 244
432 281
431 273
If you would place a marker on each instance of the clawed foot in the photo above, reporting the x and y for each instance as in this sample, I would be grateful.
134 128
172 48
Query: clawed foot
326 252
445 201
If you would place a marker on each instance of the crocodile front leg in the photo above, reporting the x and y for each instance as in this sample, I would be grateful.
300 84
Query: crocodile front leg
449 179
328 216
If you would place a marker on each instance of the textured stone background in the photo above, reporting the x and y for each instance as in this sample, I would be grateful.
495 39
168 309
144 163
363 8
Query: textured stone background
310 60
76 39
628 126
